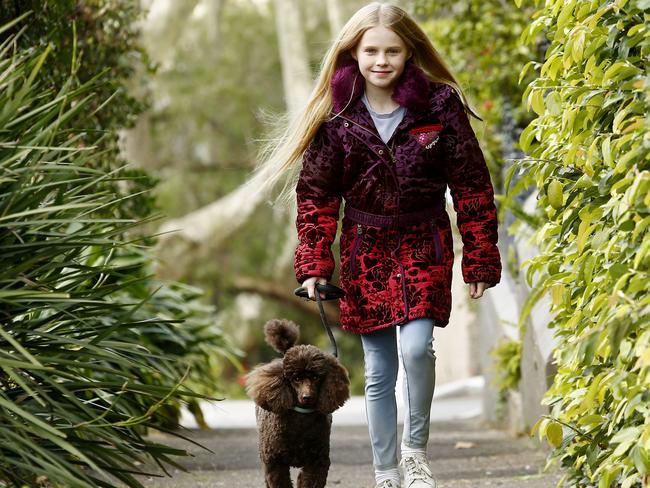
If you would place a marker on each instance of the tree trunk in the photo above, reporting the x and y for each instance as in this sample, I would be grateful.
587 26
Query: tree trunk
181 239
296 76
161 31
164 26
334 16
213 14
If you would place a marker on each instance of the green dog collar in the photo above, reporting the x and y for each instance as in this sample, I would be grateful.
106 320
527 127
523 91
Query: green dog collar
303 410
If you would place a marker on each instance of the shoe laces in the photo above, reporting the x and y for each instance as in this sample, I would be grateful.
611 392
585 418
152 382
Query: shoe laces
417 468
387 484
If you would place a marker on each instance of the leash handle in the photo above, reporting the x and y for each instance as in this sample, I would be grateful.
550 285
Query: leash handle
331 293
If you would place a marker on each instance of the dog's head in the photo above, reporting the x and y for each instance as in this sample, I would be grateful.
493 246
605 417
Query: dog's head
305 377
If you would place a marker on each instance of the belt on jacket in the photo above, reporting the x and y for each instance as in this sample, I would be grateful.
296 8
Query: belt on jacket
391 221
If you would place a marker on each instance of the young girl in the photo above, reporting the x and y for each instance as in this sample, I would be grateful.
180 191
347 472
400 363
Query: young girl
385 130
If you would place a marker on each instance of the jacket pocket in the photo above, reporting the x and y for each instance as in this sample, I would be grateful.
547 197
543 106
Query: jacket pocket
437 244
355 249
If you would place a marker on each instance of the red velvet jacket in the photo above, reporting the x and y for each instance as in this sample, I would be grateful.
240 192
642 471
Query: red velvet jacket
391 276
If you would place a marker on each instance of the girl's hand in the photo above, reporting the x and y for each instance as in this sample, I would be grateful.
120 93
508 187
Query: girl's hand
476 289
310 285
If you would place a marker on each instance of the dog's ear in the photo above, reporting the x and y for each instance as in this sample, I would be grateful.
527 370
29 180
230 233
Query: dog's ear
268 388
335 389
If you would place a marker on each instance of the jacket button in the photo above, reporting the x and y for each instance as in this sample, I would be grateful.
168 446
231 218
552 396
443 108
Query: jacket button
399 275
346 124
381 151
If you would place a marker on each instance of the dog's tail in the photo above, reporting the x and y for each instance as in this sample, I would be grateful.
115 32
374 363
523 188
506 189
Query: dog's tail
281 334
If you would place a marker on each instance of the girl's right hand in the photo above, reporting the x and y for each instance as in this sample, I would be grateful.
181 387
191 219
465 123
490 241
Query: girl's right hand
310 285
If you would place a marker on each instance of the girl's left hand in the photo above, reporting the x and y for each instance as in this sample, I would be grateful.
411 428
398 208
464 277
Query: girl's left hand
476 289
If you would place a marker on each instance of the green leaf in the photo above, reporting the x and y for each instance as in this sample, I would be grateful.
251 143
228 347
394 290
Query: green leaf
627 434
606 478
617 270
526 137
554 434
555 194
565 14
584 231
578 47
554 103
640 459
536 101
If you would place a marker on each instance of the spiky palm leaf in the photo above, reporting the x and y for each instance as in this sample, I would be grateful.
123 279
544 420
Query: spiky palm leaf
78 347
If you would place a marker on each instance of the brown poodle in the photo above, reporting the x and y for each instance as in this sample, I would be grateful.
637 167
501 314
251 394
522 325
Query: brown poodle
295 397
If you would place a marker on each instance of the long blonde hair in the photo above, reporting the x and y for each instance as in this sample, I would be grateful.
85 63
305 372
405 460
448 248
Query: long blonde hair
280 157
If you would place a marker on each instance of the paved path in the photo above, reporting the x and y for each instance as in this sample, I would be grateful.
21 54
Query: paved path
493 460
463 452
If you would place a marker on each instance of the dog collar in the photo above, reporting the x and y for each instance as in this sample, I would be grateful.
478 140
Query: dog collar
303 410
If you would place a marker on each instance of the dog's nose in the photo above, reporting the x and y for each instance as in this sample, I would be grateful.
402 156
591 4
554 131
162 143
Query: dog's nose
306 398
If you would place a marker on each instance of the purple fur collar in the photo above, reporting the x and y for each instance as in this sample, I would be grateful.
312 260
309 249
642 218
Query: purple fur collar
347 83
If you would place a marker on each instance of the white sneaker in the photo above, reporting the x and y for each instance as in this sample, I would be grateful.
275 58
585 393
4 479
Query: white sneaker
417 473
387 484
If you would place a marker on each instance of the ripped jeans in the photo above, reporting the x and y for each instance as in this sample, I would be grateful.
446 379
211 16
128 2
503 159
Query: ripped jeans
381 366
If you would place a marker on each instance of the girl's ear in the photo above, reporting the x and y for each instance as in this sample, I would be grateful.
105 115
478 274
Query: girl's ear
268 388
353 53
335 389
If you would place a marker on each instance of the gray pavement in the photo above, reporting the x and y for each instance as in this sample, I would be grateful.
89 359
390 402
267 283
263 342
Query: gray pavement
494 459
462 450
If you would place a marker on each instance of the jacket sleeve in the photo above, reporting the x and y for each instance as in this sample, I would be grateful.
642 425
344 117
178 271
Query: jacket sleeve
318 193
471 190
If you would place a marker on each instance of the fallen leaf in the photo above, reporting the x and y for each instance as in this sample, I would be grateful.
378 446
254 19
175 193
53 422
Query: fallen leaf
464 445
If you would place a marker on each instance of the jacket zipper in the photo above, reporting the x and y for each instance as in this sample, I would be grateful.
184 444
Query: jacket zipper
355 247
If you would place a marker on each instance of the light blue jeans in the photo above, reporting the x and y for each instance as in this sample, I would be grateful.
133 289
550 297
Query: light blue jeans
381 366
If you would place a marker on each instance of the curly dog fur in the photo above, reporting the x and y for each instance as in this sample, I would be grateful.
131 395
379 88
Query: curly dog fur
306 378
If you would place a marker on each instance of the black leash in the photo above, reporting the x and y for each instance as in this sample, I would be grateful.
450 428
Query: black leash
331 293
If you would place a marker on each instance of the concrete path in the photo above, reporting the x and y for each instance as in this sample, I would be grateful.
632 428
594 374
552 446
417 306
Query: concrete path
463 452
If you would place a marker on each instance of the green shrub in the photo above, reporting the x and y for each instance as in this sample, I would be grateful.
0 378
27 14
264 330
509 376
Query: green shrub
93 350
589 160
70 392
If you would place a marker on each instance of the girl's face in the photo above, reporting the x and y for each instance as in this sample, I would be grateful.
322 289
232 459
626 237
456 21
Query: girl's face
381 55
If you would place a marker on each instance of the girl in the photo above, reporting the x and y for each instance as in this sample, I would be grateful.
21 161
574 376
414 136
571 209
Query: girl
385 130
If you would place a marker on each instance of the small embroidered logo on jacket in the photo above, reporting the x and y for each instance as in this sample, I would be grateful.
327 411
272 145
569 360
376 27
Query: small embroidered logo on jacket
427 135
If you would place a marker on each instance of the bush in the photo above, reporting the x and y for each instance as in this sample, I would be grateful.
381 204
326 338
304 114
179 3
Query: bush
93 351
588 151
